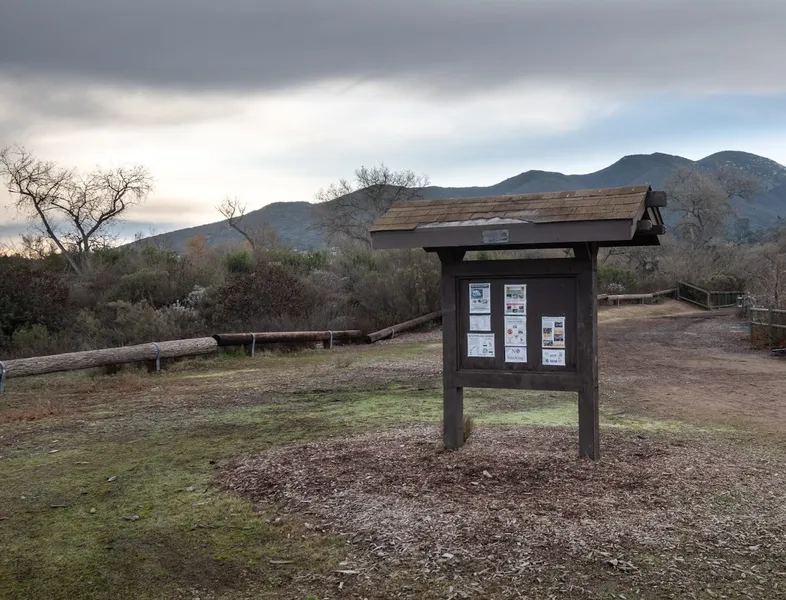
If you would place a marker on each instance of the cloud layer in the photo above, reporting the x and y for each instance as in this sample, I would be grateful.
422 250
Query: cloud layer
436 46
269 100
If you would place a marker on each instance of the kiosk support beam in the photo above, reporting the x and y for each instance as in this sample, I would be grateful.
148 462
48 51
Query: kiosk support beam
587 325
453 395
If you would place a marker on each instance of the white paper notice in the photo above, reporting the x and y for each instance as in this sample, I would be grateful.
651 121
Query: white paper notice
479 298
516 331
553 331
480 322
516 299
515 354
480 345
553 358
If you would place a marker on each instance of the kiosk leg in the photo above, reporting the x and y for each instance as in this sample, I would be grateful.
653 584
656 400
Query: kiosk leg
589 427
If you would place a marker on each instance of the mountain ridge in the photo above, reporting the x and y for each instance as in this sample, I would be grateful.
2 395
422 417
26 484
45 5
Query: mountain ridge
296 224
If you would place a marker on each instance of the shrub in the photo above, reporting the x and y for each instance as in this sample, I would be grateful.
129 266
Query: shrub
268 298
392 286
238 263
31 341
30 296
616 280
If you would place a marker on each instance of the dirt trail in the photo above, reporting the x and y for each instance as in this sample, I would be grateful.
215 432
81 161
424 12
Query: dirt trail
696 366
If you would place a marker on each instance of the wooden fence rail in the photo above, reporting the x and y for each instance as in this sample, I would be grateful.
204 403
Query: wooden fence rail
709 299
770 321
277 337
74 361
405 326
155 351
641 298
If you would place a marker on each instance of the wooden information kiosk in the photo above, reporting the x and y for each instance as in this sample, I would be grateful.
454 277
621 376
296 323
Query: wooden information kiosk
523 324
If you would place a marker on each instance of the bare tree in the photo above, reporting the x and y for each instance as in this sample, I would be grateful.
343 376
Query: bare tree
348 208
233 211
77 212
259 237
704 201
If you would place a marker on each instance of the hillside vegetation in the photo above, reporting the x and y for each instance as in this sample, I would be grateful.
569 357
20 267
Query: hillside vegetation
297 222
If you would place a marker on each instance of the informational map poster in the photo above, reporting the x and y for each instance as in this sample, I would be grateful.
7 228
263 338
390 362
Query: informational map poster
479 298
515 354
553 332
480 345
515 299
480 322
553 358
515 331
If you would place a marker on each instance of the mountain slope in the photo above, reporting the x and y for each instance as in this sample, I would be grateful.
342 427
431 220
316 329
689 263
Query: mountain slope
295 221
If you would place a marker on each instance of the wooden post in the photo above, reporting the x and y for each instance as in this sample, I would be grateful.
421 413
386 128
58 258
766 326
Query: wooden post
452 395
587 341
709 301
770 328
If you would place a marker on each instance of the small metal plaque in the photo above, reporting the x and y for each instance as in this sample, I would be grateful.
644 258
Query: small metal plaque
496 236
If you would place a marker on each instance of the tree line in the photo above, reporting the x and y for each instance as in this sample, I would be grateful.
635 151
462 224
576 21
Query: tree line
68 286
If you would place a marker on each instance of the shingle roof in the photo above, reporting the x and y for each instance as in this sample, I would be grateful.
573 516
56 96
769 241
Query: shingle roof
623 203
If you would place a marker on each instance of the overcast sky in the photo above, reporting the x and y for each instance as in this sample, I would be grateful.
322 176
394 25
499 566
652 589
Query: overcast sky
271 100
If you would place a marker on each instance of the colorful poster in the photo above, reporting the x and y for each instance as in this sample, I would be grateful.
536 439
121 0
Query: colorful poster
480 322
553 358
479 298
515 354
516 299
480 345
553 332
516 331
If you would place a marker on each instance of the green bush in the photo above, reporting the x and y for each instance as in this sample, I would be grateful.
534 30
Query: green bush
269 297
617 280
31 295
31 341
723 283
238 263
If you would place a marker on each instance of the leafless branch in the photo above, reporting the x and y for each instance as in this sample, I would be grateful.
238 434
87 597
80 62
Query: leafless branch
347 208
234 211
77 213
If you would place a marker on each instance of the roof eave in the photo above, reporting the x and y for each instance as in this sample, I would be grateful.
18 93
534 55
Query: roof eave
533 235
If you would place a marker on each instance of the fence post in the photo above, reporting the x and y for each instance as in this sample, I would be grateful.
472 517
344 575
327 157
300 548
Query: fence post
770 336
709 301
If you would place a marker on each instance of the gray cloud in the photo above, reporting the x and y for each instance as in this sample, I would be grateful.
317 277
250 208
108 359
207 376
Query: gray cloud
444 46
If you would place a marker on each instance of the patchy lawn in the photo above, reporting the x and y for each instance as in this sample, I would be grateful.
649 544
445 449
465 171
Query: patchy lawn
118 487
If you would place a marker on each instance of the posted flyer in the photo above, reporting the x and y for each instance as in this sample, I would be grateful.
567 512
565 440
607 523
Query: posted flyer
553 358
515 354
479 298
553 332
480 345
480 322
515 299
516 331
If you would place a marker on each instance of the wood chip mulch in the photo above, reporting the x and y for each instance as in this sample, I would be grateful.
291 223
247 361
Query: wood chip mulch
515 513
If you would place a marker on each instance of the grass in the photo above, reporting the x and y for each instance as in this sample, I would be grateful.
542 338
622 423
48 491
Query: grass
67 531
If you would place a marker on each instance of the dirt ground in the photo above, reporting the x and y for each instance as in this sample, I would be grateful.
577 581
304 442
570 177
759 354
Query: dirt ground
515 514
695 366
319 473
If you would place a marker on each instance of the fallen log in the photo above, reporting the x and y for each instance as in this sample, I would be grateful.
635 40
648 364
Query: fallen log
405 326
277 337
611 298
74 361
779 351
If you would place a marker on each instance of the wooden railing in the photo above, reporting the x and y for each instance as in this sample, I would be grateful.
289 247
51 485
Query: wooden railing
769 322
708 299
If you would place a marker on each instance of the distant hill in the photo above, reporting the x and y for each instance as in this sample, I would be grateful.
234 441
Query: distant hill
296 227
